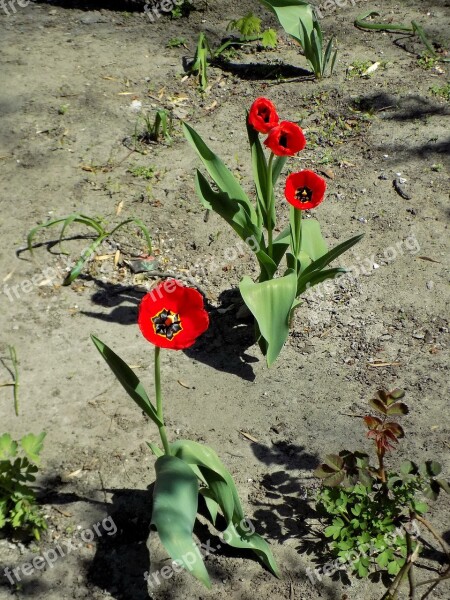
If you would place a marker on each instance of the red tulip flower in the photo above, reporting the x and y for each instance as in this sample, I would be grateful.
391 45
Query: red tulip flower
286 139
263 115
305 189
172 315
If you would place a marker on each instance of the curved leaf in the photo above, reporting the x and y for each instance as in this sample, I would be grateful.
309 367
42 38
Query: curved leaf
129 380
289 13
270 302
175 503
221 175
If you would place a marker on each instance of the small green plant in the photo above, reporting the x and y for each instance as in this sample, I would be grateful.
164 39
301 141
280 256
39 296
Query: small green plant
18 465
176 42
250 30
181 9
144 172
437 167
249 27
156 128
441 91
15 382
372 512
427 60
63 109
358 68
362 22
101 234
299 20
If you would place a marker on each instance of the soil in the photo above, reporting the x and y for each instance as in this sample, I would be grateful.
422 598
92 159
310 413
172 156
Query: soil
72 81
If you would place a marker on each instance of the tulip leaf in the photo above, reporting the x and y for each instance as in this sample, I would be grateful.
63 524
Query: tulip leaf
129 380
221 175
222 493
325 259
289 13
270 302
237 536
175 504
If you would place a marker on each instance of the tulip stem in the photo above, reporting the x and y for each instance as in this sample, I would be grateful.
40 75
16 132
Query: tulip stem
159 404
270 203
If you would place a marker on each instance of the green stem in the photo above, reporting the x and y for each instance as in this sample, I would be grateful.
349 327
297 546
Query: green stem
159 405
270 199
296 234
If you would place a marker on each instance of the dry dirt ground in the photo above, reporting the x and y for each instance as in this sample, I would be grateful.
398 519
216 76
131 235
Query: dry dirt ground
71 79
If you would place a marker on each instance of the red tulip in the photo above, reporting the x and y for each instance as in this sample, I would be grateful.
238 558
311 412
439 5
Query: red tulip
286 139
172 315
305 189
263 115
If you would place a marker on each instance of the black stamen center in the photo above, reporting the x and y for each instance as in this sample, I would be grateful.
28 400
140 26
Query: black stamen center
304 194
167 324
283 140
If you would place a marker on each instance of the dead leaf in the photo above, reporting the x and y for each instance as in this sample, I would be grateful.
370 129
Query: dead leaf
185 385
383 364
248 436
327 172
429 259
116 258
119 208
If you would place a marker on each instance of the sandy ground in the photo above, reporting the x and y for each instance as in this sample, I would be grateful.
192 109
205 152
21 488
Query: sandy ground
69 78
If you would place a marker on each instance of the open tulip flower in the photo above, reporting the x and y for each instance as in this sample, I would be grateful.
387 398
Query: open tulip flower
172 316
273 298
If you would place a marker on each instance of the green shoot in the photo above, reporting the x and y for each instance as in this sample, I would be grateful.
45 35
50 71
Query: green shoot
101 235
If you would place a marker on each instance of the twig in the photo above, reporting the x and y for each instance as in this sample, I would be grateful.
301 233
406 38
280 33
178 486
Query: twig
13 355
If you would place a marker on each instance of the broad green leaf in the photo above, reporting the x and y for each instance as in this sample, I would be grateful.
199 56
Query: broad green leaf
313 243
175 503
129 380
32 445
237 536
270 303
230 209
210 469
444 485
289 13
8 448
221 175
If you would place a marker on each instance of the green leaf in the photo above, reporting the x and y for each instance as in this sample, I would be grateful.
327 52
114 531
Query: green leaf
378 405
222 492
444 485
334 461
32 446
270 303
328 257
8 448
269 38
399 408
289 13
175 503
129 380
420 507
221 175
259 169
155 449
237 536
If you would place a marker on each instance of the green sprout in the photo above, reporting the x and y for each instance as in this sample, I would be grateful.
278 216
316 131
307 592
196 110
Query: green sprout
101 235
